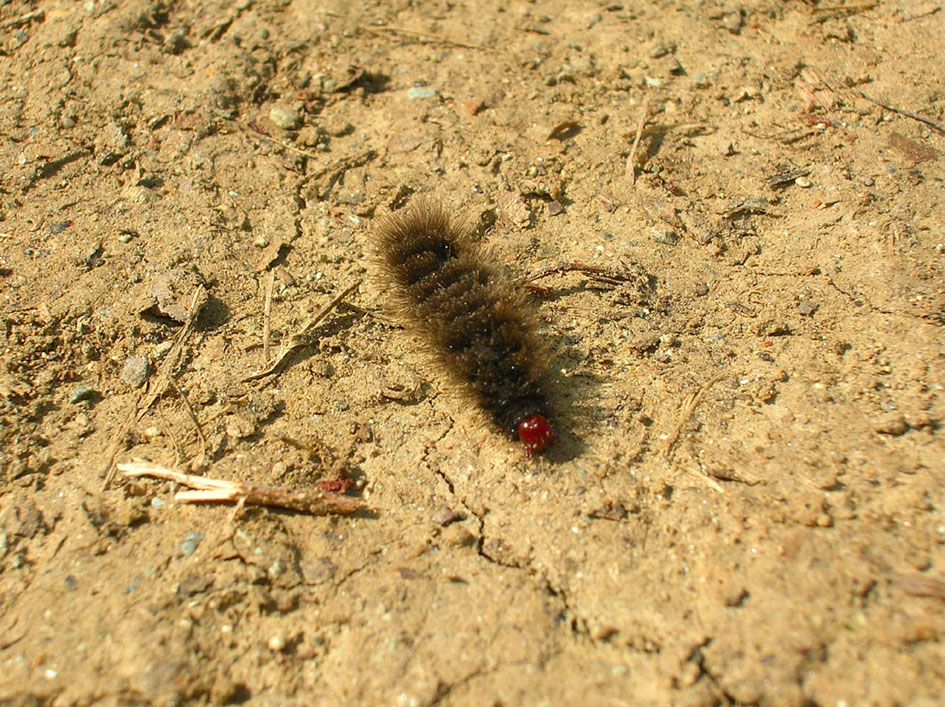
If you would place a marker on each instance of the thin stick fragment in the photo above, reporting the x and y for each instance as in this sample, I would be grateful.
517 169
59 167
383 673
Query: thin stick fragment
164 375
286 145
420 35
631 160
302 337
178 451
310 500
915 116
267 313
108 470
611 276
386 321
853 7
921 585
23 19
192 415
333 172
169 365
687 411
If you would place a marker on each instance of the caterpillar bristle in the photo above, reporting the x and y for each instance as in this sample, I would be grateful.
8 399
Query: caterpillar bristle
474 322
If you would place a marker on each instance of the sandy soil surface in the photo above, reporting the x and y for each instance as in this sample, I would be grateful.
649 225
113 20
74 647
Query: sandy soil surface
745 502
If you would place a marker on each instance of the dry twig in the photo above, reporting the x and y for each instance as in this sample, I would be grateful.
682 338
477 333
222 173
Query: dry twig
611 276
192 415
311 500
915 116
439 39
23 19
287 145
171 361
631 169
267 314
688 408
922 585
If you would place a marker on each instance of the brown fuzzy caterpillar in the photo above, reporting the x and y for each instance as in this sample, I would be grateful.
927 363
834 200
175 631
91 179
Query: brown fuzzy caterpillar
469 315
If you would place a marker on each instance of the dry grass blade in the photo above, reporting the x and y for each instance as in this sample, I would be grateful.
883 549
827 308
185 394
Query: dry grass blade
919 585
164 380
631 159
688 408
302 337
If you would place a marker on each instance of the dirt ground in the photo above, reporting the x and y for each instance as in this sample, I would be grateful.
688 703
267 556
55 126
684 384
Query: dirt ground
745 501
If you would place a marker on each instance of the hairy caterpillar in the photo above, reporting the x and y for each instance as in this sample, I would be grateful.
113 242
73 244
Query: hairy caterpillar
470 316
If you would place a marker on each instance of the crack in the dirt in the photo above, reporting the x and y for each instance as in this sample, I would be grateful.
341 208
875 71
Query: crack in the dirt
444 690
336 586
697 658
429 447
860 299
578 626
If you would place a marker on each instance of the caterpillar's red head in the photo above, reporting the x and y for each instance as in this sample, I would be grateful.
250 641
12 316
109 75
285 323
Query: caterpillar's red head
534 431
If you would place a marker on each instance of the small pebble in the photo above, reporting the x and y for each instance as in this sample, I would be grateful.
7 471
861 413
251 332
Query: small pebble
420 92
176 42
190 544
892 424
444 515
733 21
734 595
745 93
806 307
700 80
868 181
554 208
81 392
457 536
285 118
802 182
672 66
240 427
473 106
276 644
339 128
662 49
669 341
604 632
135 371
666 236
